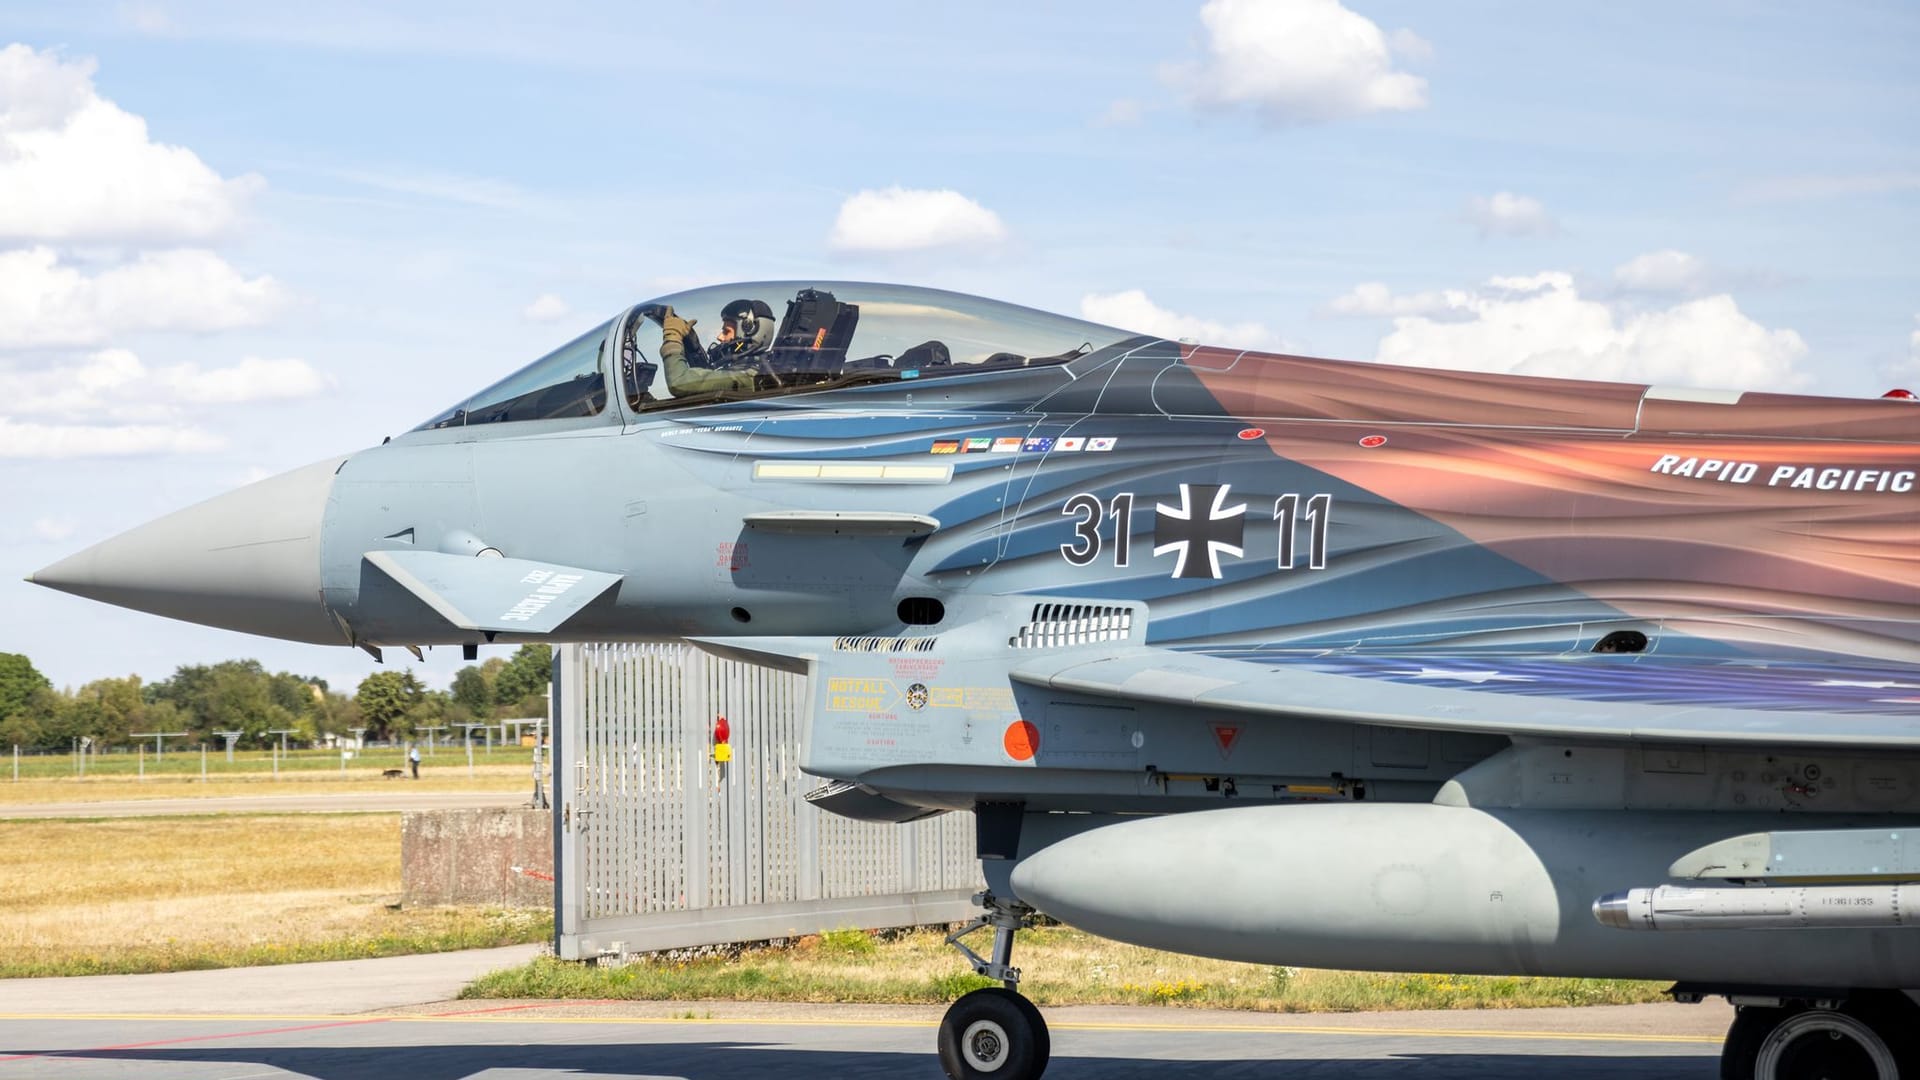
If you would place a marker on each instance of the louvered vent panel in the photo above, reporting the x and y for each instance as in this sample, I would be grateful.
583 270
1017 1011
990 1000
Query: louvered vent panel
1058 625
886 644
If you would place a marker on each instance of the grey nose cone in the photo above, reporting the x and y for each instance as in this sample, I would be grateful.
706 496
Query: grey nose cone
248 560
1611 910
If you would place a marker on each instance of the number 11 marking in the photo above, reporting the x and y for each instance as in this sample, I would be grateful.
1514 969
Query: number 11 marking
1319 514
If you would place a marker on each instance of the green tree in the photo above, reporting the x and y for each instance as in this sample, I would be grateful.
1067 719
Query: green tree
39 722
110 710
384 699
473 690
334 714
430 711
522 685
18 681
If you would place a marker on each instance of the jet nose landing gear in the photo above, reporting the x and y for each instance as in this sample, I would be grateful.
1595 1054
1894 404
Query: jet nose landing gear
994 1033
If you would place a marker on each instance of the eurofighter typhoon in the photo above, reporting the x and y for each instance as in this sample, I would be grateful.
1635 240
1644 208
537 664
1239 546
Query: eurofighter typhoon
1260 657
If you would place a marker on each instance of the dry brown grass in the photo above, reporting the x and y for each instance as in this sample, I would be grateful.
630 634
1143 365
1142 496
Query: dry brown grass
148 894
114 788
1062 967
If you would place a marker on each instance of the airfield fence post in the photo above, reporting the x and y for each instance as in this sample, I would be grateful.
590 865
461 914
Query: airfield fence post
143 760
469 754
203 763
276 762
16 763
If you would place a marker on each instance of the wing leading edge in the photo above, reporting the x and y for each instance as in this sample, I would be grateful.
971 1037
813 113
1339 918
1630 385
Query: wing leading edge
1863 712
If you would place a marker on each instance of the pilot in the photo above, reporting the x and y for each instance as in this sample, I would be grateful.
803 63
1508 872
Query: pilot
735 359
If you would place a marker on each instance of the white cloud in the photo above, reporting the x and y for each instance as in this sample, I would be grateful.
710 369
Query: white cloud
1798 188
1375 299
547 308
53 528
1663 272
1541 325
76 167
1507 214
147 18
1133 310
50 441
1410 46
252 379
113 384
477 191
45 302
1299 61
901 219
1124 112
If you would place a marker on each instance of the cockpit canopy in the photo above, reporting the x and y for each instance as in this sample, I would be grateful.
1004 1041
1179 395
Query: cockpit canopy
732 342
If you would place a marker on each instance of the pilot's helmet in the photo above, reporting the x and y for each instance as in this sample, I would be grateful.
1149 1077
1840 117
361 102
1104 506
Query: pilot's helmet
752 322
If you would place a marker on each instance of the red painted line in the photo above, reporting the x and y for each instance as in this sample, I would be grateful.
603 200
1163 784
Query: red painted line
503 1008
193 1039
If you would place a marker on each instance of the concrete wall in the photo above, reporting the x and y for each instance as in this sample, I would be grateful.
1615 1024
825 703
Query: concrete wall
468 856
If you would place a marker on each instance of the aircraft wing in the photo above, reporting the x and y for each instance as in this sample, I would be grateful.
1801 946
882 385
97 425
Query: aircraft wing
1587 697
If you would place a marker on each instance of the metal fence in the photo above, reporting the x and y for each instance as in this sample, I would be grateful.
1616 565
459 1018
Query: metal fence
659 846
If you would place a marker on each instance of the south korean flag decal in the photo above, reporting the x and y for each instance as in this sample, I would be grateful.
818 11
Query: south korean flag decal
1216 527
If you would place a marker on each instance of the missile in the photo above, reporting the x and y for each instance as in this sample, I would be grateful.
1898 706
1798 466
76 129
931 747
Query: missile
1674 907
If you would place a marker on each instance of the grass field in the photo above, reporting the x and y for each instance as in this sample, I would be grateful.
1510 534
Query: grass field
185 761
170 894
120 776
1062 967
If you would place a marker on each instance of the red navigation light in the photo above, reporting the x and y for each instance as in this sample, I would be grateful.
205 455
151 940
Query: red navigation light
721 732
1904 395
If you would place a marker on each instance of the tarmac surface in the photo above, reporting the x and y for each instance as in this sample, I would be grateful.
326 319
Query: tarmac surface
392 1018
353 802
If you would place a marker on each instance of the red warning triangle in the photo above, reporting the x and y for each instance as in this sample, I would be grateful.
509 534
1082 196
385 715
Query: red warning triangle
1226 735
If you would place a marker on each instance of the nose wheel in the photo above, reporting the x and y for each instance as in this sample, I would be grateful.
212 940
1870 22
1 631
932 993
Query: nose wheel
994 1033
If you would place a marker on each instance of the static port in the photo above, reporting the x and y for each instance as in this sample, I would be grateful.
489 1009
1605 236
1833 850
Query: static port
741 614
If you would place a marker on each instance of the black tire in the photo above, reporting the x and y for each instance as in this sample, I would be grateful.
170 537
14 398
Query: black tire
1895 1018
993 1034
1042 1039
1751 1026
1812 1044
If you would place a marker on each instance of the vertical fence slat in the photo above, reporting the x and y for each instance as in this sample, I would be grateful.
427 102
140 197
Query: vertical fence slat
657 827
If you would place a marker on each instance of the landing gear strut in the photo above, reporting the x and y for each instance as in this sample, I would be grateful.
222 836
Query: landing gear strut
994 1033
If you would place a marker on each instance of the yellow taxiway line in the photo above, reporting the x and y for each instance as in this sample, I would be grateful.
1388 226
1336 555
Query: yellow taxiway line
1275 1029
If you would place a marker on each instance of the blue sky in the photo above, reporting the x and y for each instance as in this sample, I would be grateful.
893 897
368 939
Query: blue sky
236 238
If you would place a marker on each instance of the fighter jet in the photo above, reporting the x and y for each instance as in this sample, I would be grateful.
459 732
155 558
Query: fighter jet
1253 656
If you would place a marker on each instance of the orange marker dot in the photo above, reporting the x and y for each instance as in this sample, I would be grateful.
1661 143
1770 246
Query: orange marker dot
1021 740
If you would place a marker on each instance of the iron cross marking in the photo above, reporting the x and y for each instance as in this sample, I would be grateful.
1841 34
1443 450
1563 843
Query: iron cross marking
1202 523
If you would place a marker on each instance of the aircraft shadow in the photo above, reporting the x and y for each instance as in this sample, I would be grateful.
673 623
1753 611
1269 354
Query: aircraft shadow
742 1060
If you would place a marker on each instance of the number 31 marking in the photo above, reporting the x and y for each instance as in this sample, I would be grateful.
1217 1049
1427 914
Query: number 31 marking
1088 512
1086 530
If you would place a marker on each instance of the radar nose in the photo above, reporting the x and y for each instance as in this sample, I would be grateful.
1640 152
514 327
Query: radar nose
248 560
